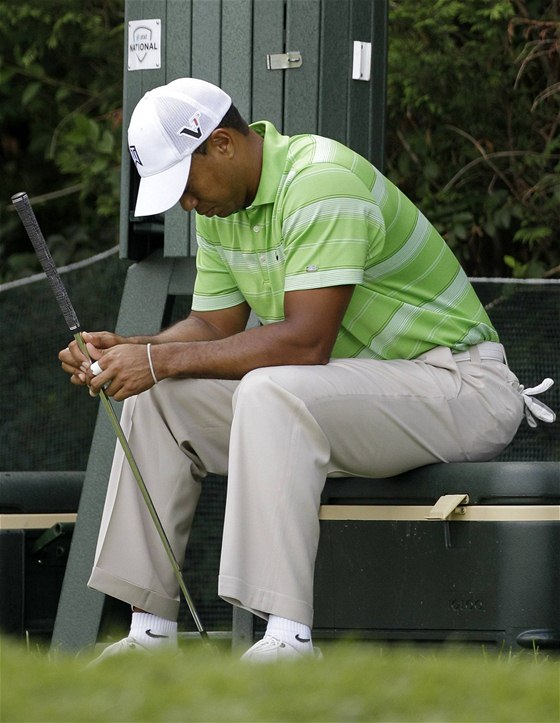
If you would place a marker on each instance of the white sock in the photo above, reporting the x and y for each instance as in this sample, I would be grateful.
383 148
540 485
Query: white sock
289 631
152 631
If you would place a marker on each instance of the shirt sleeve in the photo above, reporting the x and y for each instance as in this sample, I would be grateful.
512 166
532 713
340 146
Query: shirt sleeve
332 228
214 286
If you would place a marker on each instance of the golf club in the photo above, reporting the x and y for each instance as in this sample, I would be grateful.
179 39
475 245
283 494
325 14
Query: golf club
25 212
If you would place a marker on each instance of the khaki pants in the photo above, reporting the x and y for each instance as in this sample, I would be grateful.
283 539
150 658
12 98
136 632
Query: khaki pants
278 434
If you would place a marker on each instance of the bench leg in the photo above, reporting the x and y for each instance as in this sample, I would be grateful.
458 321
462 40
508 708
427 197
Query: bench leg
242 630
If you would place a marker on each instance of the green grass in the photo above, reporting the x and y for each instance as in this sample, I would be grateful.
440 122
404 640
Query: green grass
352 683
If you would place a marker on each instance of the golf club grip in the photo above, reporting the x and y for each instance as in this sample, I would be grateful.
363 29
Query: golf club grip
31 225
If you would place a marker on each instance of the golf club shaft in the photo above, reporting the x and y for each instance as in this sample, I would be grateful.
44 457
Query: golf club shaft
27 216
147 498
146 495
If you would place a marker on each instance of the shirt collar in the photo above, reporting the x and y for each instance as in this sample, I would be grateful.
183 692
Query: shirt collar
275 151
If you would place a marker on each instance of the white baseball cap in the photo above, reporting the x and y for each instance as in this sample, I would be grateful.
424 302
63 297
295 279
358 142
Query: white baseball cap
167 125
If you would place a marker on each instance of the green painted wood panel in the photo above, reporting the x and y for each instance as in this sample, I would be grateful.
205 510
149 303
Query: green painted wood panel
206 40
178 33
366 104
359 100
237 55
301 85
132 91
268 37
379 82
178 240
135 84
335 69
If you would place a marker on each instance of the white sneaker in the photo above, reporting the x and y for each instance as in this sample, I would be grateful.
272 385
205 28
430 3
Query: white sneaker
270 649
122 647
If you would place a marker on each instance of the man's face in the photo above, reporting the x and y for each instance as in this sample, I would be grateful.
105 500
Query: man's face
215 186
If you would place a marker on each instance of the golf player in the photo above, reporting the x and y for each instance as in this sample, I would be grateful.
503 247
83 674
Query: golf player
372 356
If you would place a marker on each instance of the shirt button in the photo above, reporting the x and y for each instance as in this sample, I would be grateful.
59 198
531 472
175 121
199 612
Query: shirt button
262 258
256 229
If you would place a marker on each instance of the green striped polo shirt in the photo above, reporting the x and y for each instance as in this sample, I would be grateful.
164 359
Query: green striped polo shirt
324 216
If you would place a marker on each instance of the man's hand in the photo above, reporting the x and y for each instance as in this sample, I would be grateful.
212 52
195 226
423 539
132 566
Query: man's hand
75 363
125 371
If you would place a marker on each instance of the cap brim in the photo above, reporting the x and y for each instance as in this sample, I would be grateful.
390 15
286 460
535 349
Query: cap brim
160 192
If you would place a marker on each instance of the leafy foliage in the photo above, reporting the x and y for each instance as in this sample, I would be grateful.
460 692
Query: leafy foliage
60 121
473 105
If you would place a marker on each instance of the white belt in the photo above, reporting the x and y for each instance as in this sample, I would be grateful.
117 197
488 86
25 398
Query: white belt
493 351
490 350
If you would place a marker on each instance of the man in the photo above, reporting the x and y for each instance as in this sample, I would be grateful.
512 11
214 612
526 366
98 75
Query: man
373 356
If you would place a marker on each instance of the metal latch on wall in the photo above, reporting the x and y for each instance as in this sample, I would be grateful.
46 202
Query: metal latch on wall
284 61
361 61
446 506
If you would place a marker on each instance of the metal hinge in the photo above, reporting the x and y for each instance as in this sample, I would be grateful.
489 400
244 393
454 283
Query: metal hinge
284 61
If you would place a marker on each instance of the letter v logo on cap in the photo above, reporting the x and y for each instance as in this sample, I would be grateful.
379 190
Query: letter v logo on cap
193 129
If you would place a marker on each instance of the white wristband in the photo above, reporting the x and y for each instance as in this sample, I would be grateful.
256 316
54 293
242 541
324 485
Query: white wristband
150 363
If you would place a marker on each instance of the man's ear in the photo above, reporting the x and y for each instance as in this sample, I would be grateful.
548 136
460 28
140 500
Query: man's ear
222 142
